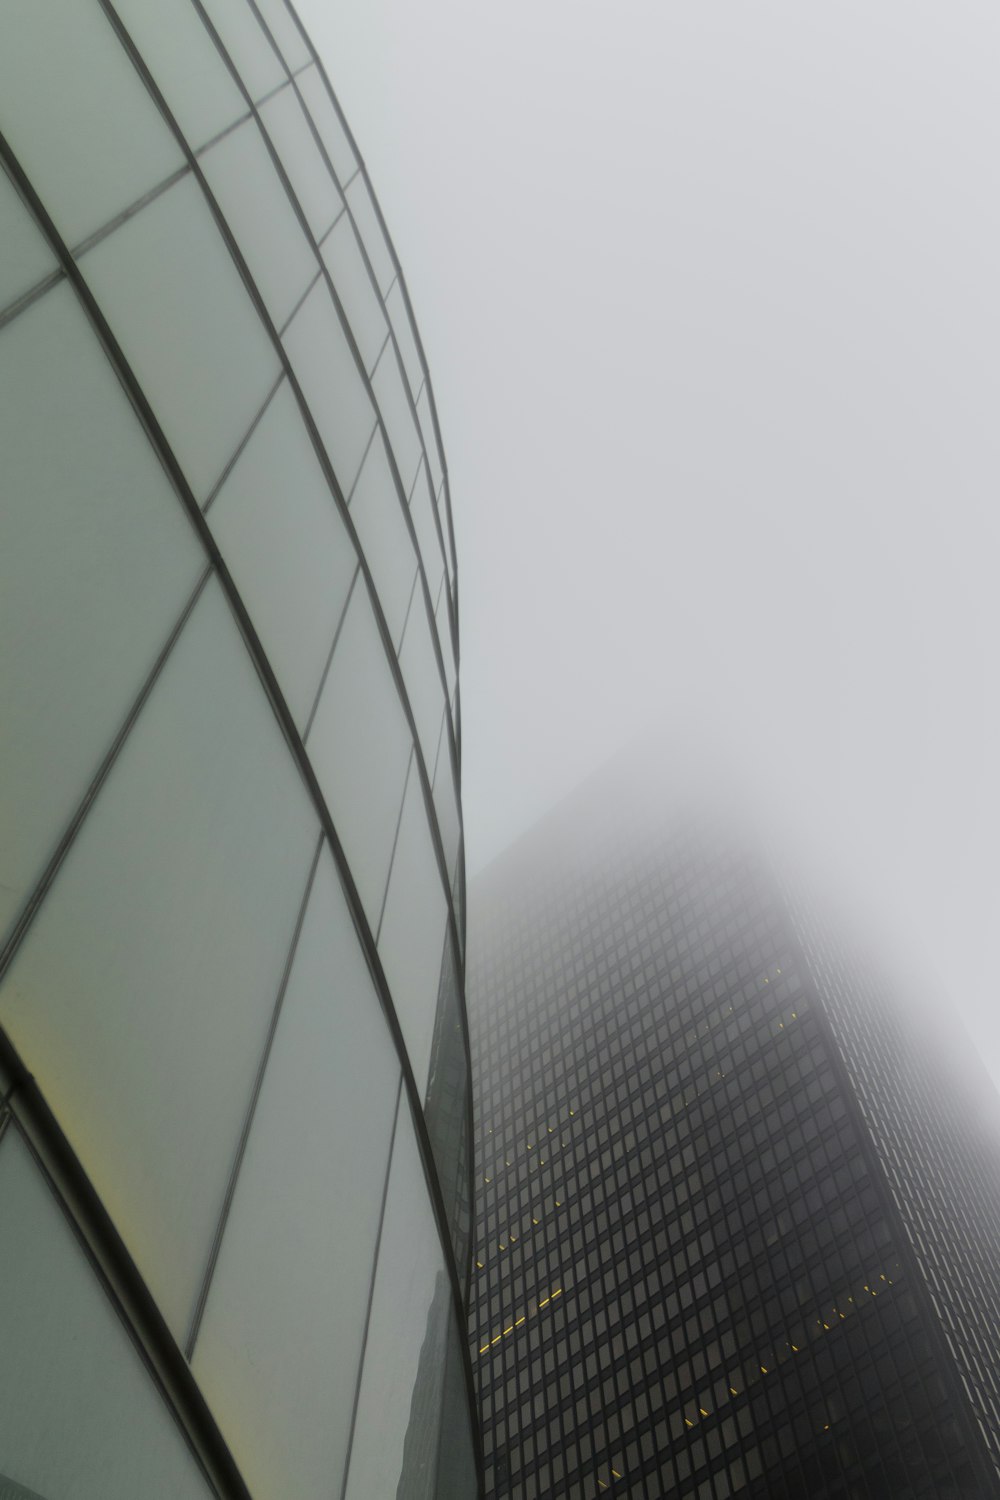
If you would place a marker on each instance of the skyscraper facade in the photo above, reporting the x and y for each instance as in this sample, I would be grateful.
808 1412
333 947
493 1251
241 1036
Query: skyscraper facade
234 1083
730 1239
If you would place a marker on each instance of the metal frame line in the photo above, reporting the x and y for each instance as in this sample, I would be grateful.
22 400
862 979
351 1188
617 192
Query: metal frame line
98 1221
339 308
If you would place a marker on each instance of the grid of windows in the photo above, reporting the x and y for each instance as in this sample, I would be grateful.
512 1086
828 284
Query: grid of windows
689 1277
235 1069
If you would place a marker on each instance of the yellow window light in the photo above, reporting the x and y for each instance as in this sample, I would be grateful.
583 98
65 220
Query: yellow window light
616 1473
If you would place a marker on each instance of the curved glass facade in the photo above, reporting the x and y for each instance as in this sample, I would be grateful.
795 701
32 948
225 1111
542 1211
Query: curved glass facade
234 1082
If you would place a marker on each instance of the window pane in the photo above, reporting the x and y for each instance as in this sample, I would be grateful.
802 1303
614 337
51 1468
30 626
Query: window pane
456 1478
285 32
360 745
430 442
79 1413
186 65
246 186
423 680
141 996
280 532
168 267
443 621
412 936
396 308
67 86
427 537
327 122
394 1451
251 53
446 805
26 255
354 288
387 384
446 1106
307 171
97 560
363 211
378 516
280 1345
325 368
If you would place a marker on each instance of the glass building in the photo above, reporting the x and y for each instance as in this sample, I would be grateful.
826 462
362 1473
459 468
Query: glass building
234 1082
738 1216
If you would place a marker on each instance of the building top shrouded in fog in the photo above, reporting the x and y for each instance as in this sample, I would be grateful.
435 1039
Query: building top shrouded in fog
234 1092
737 1231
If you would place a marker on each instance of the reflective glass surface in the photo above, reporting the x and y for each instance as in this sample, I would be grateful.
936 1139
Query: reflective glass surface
396 1432
412 934
79 1415
327 122
354 287
67 135
252 55
141 997
168 268
286 124
378 516
360 747
187 67
26 258
97 561
281 535
280 1344
251 195
324 365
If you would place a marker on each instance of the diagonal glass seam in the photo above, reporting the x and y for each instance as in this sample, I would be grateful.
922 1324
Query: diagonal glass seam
341 312
387 239
395 841
319 446
201 1300
329 657
371 1292
272 689
342 189
231 461
120 1282
44 883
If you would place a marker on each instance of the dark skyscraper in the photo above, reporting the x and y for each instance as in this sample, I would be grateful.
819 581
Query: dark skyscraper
737 1228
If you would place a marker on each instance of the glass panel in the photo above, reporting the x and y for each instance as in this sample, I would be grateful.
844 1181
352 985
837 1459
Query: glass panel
446 805
251 53
397 1430
457 1477
186 65
387 383
280 532
97 560
26 254
325 368
430 441
79 1413
301 158
363 211
252 197
442 619
327 122
376 512
446 1108
168 268
285 32
354 288
427 537
423 680
142 994
396 308
78 116
359 744
280 1345
412 934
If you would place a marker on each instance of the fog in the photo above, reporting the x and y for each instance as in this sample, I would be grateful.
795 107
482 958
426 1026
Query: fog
709 298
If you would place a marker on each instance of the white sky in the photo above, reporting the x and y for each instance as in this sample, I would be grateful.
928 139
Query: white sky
709 297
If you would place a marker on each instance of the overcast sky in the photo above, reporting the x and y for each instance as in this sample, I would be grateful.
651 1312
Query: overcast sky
709 297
